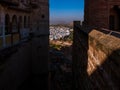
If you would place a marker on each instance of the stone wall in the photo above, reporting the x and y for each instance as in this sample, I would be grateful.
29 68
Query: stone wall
98 12
96 56
25 66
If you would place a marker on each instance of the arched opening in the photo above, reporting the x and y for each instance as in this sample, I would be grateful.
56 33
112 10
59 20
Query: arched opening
25 22
28 21
111 22
14 24
20 23
114 18
20 26
43 16
7 24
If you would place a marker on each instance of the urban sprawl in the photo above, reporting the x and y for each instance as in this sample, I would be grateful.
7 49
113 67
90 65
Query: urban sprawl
58 32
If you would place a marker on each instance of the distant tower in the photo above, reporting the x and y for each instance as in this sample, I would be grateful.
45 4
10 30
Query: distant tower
102 13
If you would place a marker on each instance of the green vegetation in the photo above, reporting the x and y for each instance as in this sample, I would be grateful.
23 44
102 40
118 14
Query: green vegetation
68 38
58 47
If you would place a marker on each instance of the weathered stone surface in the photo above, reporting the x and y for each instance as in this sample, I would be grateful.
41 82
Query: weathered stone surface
97 59
27 67
102 13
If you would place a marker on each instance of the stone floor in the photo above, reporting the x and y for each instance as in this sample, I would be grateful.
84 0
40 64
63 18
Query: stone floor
35 82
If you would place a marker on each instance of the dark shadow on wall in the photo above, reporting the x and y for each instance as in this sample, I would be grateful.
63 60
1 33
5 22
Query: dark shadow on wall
16 69
105 77
60 67
79 58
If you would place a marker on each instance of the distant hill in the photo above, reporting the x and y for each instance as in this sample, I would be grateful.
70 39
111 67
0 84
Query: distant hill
62 23
70 24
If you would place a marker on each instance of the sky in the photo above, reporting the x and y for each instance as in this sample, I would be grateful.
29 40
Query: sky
66 11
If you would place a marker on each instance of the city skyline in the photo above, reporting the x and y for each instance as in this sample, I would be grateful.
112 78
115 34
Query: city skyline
64 11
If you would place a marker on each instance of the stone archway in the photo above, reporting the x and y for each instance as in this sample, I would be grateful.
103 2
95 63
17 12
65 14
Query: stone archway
14 24
7 24
20 22
114 18
25 22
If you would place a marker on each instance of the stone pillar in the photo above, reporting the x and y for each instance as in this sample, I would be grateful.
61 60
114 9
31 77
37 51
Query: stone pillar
80 58
40 62
75 59
2 24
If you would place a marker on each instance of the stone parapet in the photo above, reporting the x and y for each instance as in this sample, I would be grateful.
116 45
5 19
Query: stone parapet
96 59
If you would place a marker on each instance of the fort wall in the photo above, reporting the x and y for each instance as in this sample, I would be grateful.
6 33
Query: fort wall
96 55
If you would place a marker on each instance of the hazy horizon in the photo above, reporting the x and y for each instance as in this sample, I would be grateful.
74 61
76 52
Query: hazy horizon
64 11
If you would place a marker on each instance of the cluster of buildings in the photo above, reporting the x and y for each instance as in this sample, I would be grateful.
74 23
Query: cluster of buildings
58 32
20 19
